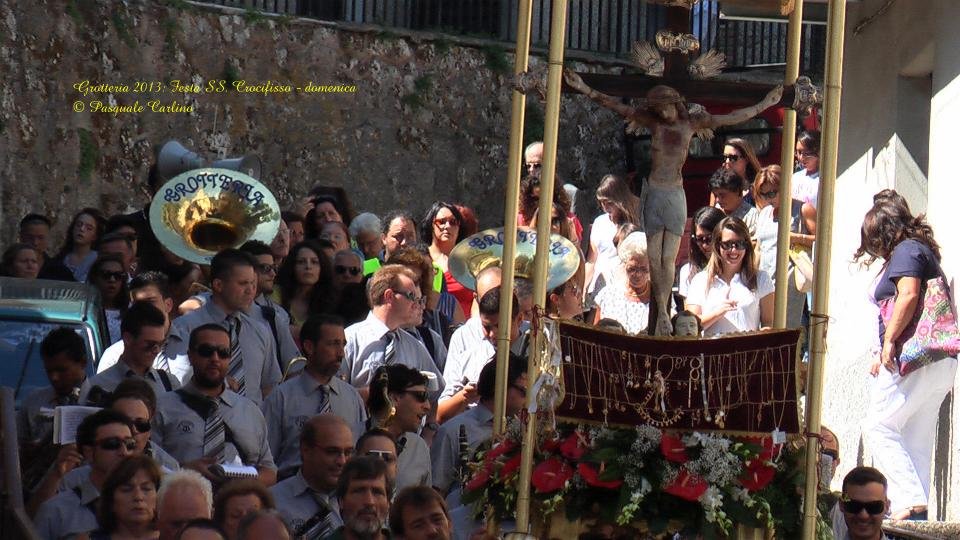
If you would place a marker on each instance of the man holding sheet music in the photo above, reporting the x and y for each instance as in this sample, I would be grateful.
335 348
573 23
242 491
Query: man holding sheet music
205 425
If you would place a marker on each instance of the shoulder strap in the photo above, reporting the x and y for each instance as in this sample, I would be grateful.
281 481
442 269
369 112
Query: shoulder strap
270 314
198 404
165 379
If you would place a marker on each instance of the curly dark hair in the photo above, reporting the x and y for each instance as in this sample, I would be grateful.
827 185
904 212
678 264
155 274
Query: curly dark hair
322 298
101 226
529 201
886 225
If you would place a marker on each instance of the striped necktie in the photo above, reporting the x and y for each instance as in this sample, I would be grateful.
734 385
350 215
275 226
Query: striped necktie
321 523
235 369
214 434
324 406
390 349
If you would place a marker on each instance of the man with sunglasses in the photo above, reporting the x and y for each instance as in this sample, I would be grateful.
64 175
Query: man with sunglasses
379 443
151 286
864 504
316 390
144 330
205 423
347 268
264 309
307 500
121 245
104 438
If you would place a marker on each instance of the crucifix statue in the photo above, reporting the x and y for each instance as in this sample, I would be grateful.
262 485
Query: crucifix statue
672 123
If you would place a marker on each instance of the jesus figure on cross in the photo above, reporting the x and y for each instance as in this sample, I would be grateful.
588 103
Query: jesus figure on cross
672 124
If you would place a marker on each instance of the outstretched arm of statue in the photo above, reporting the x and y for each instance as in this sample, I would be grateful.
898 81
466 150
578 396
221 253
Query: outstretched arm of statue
746 113
614 104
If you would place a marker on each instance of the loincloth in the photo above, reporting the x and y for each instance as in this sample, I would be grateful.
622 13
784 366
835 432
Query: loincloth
664 209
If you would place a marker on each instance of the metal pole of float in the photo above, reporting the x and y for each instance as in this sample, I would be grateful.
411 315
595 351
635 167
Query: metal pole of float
833 80
788 140
551 125
515 151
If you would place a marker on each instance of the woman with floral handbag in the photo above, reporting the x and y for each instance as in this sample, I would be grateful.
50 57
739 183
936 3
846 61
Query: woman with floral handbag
917 364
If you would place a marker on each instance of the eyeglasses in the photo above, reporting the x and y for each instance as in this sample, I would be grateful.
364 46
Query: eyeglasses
518 388
113 276
772 194
205 350
340 269
451 221
851 506
702 239
738 245
142 426
732 158
112 444
266 268
413 297
419 395
803 155
385 455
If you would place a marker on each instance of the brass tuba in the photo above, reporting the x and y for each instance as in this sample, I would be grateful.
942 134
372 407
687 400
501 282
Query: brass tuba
203 211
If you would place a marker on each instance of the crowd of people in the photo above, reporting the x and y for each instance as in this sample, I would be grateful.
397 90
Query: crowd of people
333 383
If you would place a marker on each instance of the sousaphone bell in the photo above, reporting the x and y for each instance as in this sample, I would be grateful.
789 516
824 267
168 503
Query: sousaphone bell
203 211
485 249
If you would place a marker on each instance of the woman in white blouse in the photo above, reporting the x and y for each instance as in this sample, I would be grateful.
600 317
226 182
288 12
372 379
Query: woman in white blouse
627 299
730 294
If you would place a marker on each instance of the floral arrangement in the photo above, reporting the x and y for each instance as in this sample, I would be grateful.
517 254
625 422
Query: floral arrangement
695 483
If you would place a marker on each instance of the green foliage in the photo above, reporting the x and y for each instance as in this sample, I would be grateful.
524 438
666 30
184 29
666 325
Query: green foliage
533 122
123 28
496 59
254 17
421 86
178 4
170 28
412 100
442 46
387 35
89 154
423 83
230 73
74 11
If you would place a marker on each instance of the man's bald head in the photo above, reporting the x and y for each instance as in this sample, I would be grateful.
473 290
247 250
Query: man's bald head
487 279
315 429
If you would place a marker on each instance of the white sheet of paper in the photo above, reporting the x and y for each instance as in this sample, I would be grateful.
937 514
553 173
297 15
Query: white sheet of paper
66 419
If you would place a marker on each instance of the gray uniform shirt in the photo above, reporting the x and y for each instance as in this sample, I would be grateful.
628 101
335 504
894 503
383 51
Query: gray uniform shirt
69 513
283 340
256 342
179 430
32 423
365 347
413 463
296 401
109 379
296 503
445 451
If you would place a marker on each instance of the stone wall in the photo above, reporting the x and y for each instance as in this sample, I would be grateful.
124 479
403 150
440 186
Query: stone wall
429 118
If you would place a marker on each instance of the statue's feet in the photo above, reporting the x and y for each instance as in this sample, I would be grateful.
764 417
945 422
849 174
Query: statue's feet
664 326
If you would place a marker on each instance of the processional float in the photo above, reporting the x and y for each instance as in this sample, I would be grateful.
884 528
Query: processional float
675 45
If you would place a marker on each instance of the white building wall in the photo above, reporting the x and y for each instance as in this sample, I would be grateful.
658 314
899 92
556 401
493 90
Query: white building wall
911 39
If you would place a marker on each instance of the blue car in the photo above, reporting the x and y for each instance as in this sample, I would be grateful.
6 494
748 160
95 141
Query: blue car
29 310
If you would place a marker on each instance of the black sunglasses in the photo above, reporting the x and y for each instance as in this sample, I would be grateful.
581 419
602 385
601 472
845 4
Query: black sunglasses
739 245
340 269
111 444
702 239
732 158
772 194
851 506
111 276
142 426
419 395
206 350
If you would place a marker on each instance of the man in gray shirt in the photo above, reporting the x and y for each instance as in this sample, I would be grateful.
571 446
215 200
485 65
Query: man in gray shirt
143 329
205 423
65 362
314 391
266 310
104 438
307 500
253 368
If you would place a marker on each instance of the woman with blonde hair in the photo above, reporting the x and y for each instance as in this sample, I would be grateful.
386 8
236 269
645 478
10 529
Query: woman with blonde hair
619 206
731 294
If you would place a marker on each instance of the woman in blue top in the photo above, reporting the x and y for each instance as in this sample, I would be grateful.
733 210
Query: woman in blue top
903 410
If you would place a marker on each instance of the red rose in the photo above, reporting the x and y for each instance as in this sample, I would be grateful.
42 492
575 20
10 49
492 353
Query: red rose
591 475
575 446
507 445
757 475
673 449
510 466
687 486
551 475
479 480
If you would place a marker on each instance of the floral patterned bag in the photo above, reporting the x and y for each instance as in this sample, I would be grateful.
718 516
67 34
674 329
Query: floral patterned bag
932 334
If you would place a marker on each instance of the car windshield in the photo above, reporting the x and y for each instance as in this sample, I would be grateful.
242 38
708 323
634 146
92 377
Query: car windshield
22 366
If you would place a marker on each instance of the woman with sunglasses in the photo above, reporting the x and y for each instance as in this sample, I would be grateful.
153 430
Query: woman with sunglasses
398 403
806 180
730 294
701 241
442 227
803 228
305 283
128 501
77 253
108 276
